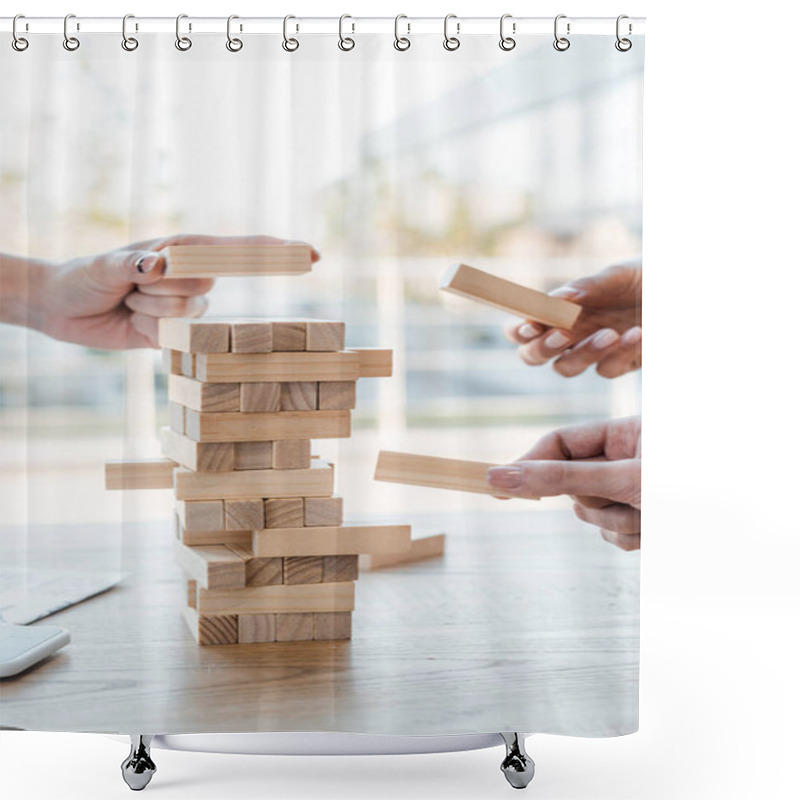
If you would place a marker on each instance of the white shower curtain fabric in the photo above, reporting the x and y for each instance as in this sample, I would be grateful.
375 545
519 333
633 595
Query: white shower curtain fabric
393 165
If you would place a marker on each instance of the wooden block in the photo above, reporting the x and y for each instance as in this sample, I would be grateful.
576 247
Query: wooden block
521 301
288 335
264 571
340 568
284 513
324 336
302 569
373 362
212 566
171 361
177 417
336 395
316 481
258 427
260 367
299 599
298 396
252 455
421 549
199 456
332 625
435 472
244 515
251 337
220 629
323 511
294 627
201 396
291 454
191 593
204 515
346 540
187 364
208 261
142 473
256 628
192 538
258 397
191 335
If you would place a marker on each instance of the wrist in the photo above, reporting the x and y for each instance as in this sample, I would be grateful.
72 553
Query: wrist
25 291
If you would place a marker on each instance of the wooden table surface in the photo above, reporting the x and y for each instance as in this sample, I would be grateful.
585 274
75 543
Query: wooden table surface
529 623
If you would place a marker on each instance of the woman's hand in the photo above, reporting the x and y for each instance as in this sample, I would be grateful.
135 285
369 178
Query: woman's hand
597 464
608 332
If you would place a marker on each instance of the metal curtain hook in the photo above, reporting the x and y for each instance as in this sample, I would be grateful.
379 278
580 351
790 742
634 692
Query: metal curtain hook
623 45
506 42
233 44
451 42
289 44
19 43
561 43
346 42
401 42
129 43
182 42
70 42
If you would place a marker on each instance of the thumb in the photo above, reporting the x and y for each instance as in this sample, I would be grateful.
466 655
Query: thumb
619 481
121 268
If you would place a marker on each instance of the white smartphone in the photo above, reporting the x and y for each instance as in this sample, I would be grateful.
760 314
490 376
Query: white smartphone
22 646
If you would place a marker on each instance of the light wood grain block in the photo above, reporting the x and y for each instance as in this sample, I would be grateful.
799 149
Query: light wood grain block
294 627
323 511
373 362
208 261
259 397
171 361
421 549
298 396
302 569
176 414
340 540
212 566
198 456
288 335
193 538
332 625
256 628
244 515
191 593
257 427
324 336
251 337
297 599
201 396
283 513
143 473
203 515
435 472
281 367
291 454
188 368
316 481
340 568
336 395
210 630
194 335
513 298
252 455
264 571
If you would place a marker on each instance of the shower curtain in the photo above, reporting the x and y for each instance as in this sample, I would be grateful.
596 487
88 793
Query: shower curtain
393 164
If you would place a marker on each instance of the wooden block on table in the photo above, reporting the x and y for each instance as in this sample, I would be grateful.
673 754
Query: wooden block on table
212 566
298 599
316 481
201 396
283 367
340 568
322 511
294 627
219 629
259 397
208 261
336 395
177 417
193 538
244 515
284 513
302 569
191 335
187 364
252 455
435 472
191 593
327 541
423 548
288 335
332 625
256 628
251 337
199 456
264 571
521 301
298 396
257 427
142 473
203 515
291 454
324 336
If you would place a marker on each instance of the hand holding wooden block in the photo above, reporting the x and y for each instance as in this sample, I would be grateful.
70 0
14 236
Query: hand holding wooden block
209 261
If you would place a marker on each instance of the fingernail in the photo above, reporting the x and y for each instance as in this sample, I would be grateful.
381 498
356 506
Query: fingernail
556 340
604 338
505 477
147 263
526 331
566 293
632 336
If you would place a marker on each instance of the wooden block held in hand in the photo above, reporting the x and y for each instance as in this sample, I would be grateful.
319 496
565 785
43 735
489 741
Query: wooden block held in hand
208 261
264 571
252 455
244 515
288 335
521 301
302 569
298 396
258 427
322 511
336 395
294 627
256 628
324 336
190 335
340 568
251 337
421 549
260 397
143 473
291 454
332 625
198 456
282 513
